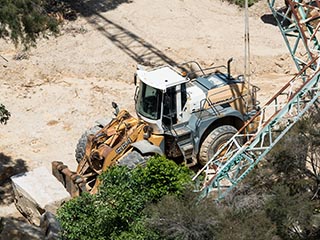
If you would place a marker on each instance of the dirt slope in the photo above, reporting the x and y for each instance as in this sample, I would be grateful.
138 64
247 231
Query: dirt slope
69 81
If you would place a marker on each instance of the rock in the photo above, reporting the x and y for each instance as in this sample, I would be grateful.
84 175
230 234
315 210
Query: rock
38 191
50 226
18 230
14 229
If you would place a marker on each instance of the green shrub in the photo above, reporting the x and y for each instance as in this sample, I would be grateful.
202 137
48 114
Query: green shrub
79 218
116 210
241 3
4 114
138 230
162 177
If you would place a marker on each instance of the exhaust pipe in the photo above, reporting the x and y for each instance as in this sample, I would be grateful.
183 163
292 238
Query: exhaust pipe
228 64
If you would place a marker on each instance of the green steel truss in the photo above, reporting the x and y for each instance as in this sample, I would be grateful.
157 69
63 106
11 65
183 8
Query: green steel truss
299 25
245 150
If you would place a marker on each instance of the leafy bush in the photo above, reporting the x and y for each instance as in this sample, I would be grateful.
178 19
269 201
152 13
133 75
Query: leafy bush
4 114
116 211
244 225
291 213
79 218
183 217
241 3
138 230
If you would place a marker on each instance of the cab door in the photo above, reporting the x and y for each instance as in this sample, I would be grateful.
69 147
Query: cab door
169 116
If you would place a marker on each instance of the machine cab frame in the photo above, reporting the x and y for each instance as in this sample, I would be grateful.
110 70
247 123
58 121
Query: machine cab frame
160 97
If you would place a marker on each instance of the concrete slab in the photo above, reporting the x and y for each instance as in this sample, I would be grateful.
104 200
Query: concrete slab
37 191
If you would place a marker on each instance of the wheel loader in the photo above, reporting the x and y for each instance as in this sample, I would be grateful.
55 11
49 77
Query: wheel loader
185 115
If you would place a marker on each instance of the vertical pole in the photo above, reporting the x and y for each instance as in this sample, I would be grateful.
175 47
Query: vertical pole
247 51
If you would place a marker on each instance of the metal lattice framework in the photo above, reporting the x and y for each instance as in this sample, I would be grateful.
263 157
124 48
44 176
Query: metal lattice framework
245 150
299 24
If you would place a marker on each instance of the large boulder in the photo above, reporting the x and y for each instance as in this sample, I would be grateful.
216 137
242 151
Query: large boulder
36 192
14 229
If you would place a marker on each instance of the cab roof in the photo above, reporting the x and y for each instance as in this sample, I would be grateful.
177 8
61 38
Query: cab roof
161 78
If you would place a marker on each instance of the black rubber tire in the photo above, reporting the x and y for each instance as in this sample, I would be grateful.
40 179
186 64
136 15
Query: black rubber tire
81 146
132 160
213 141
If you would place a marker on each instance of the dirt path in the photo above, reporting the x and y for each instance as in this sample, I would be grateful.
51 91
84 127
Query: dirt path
69 81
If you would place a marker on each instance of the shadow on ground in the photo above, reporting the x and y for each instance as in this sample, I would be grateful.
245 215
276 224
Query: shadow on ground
269 19
8 168
141 51
282 16
87 8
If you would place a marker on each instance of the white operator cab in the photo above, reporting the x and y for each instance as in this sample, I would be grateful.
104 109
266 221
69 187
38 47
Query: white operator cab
161 97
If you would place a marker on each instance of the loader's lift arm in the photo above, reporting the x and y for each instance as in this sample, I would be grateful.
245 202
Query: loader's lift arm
243 151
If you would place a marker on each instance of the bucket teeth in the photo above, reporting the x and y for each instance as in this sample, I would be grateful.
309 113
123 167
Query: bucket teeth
73 182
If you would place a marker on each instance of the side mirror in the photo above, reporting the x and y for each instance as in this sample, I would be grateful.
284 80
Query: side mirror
116 108
241 78
136 94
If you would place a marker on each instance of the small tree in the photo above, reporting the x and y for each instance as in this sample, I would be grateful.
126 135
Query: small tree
23 21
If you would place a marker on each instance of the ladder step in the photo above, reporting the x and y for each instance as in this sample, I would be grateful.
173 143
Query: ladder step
188 147
183 133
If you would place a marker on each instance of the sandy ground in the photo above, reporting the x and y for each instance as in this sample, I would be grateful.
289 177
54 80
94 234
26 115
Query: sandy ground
57 90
